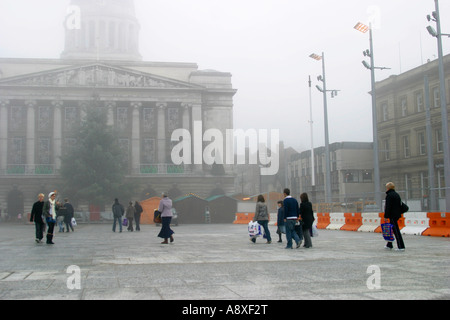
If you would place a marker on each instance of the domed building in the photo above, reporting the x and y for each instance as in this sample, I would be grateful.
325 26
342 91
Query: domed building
42 99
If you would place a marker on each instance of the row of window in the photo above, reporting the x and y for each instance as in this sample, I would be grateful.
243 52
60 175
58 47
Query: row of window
406 145
18 118
419 104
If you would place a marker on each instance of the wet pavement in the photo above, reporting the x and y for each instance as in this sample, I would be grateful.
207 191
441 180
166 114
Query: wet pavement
217 262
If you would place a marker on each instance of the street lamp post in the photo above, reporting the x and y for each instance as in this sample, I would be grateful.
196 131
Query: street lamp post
436 17
376 164
328 194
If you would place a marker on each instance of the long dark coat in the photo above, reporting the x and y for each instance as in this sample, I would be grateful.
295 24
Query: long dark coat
306 212
392 206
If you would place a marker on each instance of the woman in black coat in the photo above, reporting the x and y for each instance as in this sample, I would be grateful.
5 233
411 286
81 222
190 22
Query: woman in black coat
307 215
392 211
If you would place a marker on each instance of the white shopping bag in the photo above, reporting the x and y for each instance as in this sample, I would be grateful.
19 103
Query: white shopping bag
74 222
255 229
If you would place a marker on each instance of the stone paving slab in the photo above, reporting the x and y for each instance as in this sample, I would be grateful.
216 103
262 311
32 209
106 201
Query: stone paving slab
218 262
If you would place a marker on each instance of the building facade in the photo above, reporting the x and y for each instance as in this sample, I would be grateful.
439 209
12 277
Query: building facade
402 134
41 100
351 173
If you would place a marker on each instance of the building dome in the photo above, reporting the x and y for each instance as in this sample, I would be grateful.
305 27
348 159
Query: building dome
102 30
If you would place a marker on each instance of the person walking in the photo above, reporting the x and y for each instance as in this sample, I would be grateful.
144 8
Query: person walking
165 207
69 215
291 213
118 212
262 217
130 216
281 228
307 215
49 212
137 215
36 216
393 212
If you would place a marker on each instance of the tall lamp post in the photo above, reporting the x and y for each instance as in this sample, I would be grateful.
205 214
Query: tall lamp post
376 164
322 78
436 17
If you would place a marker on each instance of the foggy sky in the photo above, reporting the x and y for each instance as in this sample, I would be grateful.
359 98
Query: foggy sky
265 44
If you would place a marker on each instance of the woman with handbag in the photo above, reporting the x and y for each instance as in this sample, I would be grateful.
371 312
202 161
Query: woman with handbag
165 207
393 212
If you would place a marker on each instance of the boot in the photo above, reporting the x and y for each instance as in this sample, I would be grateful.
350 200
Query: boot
49 239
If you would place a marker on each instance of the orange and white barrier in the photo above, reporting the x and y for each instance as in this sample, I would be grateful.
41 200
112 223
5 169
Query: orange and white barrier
439 224
370 222
353 221
415 223
337 221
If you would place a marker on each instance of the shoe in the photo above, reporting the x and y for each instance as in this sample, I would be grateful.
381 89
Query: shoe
298 245
400 249
269 242
253 240
172 239
288 248
37 240
387 248
165 242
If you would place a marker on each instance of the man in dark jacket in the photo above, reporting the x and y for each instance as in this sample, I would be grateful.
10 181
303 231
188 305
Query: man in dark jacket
393 213
291 213
69 215
118 212
36 216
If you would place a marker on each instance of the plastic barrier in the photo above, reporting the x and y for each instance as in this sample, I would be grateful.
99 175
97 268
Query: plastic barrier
401 222
323 220
439 224
352 221
243 218
337 221
370 222
415 223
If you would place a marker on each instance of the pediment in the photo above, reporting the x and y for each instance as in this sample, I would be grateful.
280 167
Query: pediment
96 75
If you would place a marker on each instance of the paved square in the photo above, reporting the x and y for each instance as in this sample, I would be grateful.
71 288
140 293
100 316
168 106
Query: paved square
217 262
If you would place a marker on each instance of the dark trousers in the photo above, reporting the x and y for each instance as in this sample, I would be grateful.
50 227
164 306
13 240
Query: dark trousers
397 235
40 226
130 224
51 227
137 218
69 224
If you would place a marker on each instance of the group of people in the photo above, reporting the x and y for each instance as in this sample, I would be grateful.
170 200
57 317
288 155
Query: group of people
295 220
44 214
134 212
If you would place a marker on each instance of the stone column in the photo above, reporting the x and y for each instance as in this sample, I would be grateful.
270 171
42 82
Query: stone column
161 139
136 138
110 106
3 134
186 117
31 134
197 138
57 134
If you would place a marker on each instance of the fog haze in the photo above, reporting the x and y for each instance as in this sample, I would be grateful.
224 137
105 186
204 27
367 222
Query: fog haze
265 45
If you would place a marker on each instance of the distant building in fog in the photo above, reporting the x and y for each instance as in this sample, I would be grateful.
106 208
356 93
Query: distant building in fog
351 172
402 137
41 100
